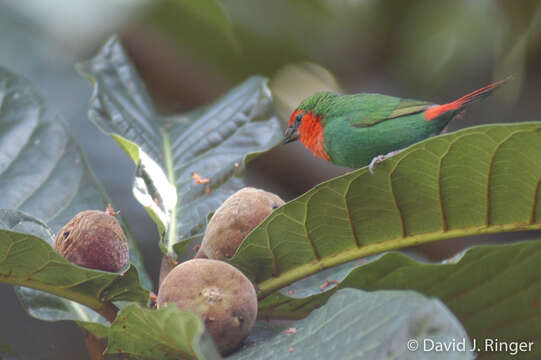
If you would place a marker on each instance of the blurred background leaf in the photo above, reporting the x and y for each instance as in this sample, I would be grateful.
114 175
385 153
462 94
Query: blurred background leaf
74 23
201 14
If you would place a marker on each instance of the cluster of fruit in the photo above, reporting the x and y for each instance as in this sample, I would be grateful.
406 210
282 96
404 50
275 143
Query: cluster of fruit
218 292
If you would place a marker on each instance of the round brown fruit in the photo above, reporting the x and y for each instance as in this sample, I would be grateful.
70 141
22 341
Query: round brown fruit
93 239
234 219
219 293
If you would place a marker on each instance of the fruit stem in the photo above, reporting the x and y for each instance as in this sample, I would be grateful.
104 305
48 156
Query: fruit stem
94 345
108 311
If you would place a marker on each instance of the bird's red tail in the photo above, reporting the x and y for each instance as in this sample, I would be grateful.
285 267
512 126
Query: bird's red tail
476 95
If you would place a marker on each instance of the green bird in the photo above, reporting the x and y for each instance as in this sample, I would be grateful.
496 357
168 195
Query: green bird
364 129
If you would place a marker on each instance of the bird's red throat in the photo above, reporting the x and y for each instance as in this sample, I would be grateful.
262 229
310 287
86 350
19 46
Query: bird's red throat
311 134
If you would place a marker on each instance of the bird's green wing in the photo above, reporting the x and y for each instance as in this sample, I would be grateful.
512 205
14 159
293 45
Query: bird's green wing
372 109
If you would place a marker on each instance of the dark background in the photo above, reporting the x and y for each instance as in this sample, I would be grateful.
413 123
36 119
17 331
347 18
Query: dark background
428 50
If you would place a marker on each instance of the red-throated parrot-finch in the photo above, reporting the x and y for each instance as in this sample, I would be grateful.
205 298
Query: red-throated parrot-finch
364 129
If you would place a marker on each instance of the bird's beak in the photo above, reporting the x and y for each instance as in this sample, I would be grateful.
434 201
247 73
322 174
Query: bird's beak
290 135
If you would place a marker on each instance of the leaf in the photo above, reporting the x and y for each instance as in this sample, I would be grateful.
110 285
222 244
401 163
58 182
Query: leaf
209 12
28 260
359 325
493 290
213 142
448 35
479 180
44 173
167 333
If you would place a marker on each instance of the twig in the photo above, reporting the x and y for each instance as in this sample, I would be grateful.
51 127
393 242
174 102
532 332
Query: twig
108 311
94 345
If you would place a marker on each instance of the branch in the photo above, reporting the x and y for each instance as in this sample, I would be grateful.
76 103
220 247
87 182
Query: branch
95 346
108 311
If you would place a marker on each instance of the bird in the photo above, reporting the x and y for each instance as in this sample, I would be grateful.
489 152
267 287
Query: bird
356 130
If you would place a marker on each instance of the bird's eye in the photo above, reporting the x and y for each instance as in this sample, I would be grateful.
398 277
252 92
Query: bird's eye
298 118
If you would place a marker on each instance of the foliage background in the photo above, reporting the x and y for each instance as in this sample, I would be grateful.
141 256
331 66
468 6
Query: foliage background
418 49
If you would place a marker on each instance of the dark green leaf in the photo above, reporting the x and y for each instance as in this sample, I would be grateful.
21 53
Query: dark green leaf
359 325
493 290
167 333
44 173
210 12
213 142
480 180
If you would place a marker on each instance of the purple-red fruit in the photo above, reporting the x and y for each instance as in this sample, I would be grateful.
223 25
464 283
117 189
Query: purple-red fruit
234 219
93 239
219 293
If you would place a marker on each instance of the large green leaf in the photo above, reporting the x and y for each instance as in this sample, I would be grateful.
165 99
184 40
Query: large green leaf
167 333
479 180
44 173
493 290
28 260
213 142
359 325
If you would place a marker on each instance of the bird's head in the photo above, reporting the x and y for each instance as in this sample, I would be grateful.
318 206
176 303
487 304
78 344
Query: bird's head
305 121
292 131
306 125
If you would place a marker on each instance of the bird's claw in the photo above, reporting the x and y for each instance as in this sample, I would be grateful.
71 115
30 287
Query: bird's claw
376 160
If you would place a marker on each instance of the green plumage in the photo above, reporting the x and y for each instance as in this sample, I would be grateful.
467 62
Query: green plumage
359 127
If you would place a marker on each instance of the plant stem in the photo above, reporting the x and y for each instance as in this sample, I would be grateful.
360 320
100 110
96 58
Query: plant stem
108 311
94 345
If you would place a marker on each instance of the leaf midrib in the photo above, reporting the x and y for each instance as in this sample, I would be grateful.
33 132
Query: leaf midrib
169 167
169 159
270 285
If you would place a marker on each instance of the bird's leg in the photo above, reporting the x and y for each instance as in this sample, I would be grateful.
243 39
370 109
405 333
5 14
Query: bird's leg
380 158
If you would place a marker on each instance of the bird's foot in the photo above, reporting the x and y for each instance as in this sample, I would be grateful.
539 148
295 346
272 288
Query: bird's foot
376 160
